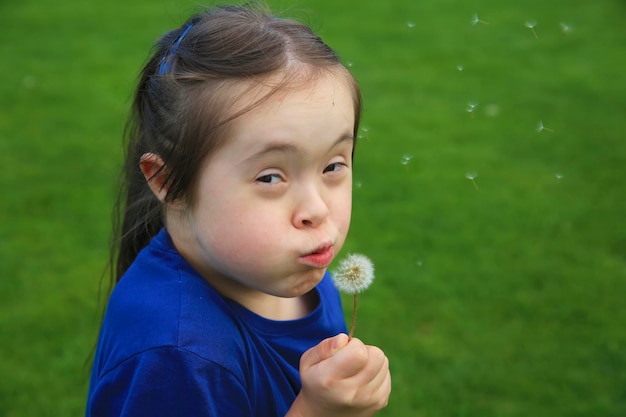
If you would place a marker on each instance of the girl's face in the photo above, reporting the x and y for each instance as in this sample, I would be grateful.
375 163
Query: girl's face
274 202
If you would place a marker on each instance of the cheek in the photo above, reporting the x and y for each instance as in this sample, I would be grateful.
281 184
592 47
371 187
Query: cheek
342 211
237 234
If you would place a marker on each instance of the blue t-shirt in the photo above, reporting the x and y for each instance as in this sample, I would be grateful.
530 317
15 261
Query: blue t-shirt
170 345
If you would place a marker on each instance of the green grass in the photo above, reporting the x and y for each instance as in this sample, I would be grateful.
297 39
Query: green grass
504 300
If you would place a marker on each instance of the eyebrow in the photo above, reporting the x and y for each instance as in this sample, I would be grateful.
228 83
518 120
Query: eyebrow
281 147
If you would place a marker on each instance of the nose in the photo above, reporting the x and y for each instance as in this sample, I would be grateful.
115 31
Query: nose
311 208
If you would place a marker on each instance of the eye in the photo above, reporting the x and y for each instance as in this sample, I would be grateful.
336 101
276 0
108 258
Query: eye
335 167
269 179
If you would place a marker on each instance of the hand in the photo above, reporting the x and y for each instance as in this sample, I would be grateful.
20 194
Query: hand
341 378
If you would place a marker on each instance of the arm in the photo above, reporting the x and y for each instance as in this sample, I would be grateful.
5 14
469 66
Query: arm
342 379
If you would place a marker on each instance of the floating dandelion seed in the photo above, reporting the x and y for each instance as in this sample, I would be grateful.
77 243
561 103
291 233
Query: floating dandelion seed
354 275
471 176
459 67
365 133
540 128
531 25
411 25
406 158
559 176
566 28
471 106
476 20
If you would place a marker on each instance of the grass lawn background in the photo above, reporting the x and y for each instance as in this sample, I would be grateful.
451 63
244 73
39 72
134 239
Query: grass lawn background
501 296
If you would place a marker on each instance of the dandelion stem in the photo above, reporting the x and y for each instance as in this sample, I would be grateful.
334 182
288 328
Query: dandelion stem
356 296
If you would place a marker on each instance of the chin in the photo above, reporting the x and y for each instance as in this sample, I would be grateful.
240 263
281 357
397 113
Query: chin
305 285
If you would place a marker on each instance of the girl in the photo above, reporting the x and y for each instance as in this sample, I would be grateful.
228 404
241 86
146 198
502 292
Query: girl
237 197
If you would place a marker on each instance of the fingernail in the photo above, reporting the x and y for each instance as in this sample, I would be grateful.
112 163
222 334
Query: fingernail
337 341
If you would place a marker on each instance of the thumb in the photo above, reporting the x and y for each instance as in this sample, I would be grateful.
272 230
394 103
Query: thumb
324 350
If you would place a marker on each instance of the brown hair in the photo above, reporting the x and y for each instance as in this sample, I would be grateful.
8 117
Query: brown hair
181 106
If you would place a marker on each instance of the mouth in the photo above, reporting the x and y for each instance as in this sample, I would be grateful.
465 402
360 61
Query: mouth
320 257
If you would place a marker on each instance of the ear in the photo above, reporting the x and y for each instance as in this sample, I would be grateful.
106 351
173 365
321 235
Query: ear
153 168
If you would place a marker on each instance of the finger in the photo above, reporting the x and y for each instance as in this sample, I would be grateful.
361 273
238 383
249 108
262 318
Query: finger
324 350
350 360
380 395
382 378
377 365
375 371
375 391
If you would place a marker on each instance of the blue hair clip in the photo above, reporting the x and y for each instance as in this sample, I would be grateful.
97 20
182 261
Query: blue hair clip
168 58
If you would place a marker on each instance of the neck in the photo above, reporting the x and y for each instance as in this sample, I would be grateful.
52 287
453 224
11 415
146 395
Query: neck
279 308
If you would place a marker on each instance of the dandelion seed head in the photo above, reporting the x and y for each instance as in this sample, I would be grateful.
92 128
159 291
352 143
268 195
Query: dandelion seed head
354 274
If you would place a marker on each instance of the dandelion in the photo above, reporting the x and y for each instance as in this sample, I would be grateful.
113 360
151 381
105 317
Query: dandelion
531 25
559 176
476 20
540 128
566 28
471 176
459 67
354 275
406 158
410 25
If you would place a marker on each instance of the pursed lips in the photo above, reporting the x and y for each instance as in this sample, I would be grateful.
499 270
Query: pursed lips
320 256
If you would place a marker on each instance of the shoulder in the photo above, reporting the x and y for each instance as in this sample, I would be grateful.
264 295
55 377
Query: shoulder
167 381
162 303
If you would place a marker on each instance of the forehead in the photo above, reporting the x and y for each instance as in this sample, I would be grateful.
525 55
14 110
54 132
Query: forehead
289 85
285 102
309 117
